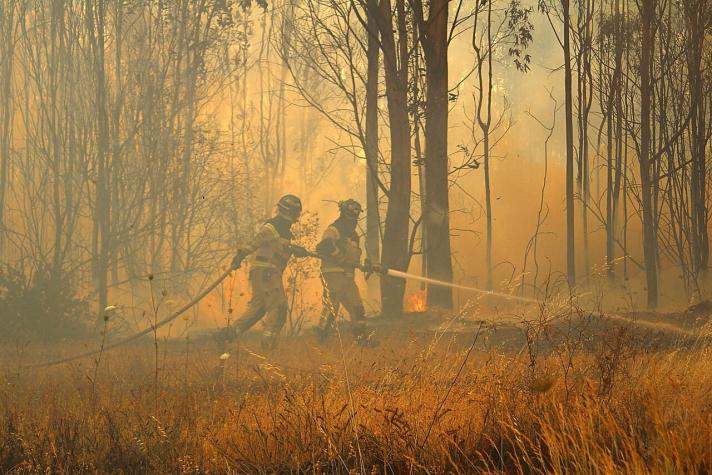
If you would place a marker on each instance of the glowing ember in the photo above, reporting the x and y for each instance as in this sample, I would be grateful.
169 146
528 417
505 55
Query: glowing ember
416 302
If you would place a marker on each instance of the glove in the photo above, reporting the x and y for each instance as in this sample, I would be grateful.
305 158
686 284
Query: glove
369 268
299 251
327 248
237 260
378 268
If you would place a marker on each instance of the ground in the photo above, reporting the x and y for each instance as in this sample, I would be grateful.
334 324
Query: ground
536 390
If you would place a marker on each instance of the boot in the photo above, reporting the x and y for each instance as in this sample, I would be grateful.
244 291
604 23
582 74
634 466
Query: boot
225 335
269 342
323 329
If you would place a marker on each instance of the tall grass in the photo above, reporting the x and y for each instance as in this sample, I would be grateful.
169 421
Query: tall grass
407 406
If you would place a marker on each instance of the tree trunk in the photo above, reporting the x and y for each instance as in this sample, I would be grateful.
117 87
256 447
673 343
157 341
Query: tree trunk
610 164
488 206
395 235
615 109
585 98
696 23
373 219
95 26
647 13
485 123
437 203
7 28
570 234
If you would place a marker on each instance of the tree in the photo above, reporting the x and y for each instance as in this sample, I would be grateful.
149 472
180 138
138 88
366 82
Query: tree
583 34
568 111
435 40
512 30
647 10
373 215
396 51
8 27
550 10
698 16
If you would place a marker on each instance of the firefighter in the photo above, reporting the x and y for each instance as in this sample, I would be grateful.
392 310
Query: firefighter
272 248
340 253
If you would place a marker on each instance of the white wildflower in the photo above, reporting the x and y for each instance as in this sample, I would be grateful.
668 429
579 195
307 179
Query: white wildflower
109 312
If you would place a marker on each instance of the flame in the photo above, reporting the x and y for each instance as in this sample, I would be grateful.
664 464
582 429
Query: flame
417 302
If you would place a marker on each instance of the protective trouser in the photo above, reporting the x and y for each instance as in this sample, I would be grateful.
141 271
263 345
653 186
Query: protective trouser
340 289
269 301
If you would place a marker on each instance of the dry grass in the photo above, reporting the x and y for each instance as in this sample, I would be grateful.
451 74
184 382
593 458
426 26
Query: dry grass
411 405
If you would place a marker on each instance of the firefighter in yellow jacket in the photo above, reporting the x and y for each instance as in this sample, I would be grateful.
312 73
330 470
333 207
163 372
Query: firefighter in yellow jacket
340 253
272 249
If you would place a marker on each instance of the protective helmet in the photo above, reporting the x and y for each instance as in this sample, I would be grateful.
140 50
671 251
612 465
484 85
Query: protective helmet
289 206
350 208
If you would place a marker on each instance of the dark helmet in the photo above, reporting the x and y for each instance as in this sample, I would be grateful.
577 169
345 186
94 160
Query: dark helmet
289 206
350 208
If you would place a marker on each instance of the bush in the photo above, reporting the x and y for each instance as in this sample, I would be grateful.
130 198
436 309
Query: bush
41 307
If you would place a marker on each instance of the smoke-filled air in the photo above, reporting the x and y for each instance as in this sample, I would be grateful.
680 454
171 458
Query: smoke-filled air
355 236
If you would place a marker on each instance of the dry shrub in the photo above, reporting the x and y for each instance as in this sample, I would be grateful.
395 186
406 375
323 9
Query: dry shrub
40 305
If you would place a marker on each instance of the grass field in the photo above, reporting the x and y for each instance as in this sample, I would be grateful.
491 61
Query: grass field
576 396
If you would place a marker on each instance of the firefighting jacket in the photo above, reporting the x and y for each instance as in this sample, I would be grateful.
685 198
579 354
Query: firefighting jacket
339 248
271 244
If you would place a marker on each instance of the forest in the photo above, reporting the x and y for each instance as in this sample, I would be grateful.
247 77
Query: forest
533 215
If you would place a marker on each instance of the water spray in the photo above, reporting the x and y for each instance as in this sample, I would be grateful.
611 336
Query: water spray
641 323
441 283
